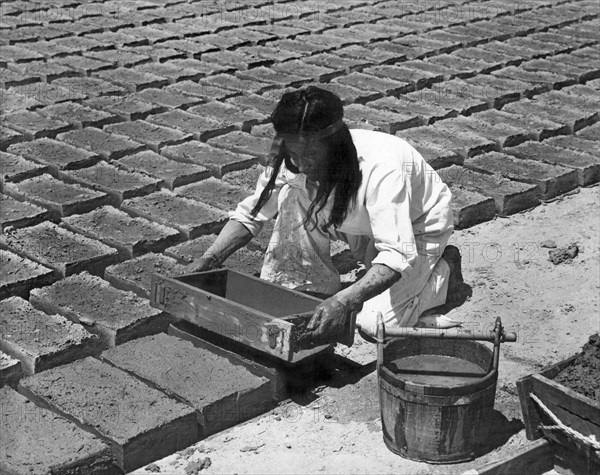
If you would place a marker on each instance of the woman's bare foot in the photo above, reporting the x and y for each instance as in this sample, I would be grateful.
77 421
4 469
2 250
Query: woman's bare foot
458 291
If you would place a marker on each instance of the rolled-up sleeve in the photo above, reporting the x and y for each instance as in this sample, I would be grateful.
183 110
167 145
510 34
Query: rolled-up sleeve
388 204
242 213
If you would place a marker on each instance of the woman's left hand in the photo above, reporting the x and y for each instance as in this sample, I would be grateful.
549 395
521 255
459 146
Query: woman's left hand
329 319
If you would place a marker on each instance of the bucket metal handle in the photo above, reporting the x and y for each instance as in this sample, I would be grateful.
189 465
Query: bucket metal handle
496 336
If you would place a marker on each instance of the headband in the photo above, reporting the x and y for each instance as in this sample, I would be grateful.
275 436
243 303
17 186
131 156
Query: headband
317 134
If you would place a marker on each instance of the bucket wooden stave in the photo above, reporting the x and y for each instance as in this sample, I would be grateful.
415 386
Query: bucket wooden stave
444 423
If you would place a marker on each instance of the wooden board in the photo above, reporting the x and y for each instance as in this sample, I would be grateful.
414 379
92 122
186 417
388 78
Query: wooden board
573 409
534 458
235 305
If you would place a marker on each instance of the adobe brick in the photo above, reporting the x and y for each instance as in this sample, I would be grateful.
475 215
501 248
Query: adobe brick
127 108
436 156
78 115
131 236
573 119
543 48
575 143
245 179
227 115
496 90
157 54
544 80
9 137
10 373
20 275
12 101
590 133
46 71
452 39
465 144
111 146
482 30
369 82
336 62
39 340
135 275
132 80
265 104
17 54
255 56
587 166
140 423
18 214
299 46
116 182
36 440
50 49
118 39
171 172
503 134
242 142
153 35
194 49
9 78
52 93
425 112
90 86
552 180
33 125
537 128
59 198
570 102
510 196
587 91
204 67
114 315
465 67
118 57
171 73
218 161
501 47
203 92
234 60
61 250
235 84
82 64
410 73
153 136
270 77
167 98
456 95
15 168
384 119
214 192
222 393
470 208
190 217
351 95
54 154
557 65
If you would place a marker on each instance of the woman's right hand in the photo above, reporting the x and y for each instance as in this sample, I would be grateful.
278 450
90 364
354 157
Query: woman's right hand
202 264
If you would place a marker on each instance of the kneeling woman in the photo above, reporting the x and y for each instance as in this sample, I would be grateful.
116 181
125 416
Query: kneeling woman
370 189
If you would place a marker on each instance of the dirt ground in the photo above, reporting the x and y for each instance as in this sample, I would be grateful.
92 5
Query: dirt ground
334 427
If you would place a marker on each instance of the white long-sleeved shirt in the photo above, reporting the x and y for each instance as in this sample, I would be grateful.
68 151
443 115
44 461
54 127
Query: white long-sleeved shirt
400 202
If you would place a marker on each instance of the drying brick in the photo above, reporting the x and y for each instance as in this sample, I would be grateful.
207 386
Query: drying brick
15 168
78 115
119 57
541 80
35 440
465 144
316 73
214 192
575 143
510 196
14 102
383 119
135 275
131 236
171 73
537 128
203 92
229 115
370 83
20 275
337 63
590 133
82 64
128 108
349 94
588 166
9 137
19 214
141 423
243 143
503 134
552 180
152 135
235 84
167 98
171 172
270 77
59 198
423 112
222 393
91 87
190 217
109 146
61 250
34 125
471 208
10 373
39 340
54 154
116 316
118 183
218 161
201 128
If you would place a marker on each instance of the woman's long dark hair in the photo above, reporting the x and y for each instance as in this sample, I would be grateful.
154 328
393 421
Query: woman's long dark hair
310 110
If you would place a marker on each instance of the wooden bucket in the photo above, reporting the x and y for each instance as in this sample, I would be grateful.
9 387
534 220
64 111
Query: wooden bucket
432 416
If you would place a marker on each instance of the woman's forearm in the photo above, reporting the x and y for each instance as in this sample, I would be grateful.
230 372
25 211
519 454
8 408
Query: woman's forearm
377 279
232 237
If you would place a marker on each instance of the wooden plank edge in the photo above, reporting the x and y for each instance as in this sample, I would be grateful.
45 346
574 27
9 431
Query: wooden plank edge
534 458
